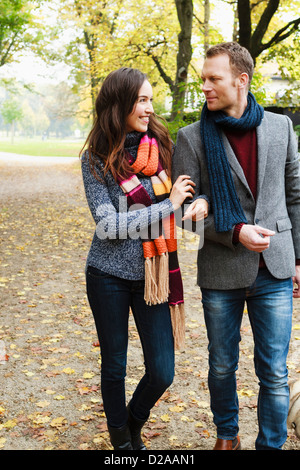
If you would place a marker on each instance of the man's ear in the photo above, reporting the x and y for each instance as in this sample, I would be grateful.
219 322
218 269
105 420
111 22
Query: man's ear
243 80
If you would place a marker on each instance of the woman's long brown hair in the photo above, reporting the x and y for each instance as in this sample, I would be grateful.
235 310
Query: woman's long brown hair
115 102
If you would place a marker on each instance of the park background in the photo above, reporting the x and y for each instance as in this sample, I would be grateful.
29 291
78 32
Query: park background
53 57
55 54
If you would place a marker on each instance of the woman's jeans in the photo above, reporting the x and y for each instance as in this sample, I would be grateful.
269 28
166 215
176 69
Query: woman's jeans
269 303
110 298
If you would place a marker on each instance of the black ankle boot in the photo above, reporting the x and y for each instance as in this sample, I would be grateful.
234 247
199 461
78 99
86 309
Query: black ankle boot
120 437
135 426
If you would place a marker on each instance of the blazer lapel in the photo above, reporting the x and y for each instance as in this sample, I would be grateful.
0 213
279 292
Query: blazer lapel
262 153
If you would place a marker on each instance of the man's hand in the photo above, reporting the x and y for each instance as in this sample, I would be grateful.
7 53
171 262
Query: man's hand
296 281
255 238
198 210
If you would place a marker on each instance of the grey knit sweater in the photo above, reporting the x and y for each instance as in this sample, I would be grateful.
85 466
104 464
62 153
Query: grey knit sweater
116 246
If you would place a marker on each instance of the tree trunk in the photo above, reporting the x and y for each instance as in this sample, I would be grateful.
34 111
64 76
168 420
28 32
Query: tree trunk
94 80
253 41
244 14
12 132
184 55
206 24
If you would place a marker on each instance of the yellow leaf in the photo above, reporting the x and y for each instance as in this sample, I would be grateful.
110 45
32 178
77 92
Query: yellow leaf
203 404
245 393
68 370
59 397
84 407
11 423
95 400
42 404
186 419
87 418
199 425
39 420
88 375
28 373
58 422
165 418
2 442
176 408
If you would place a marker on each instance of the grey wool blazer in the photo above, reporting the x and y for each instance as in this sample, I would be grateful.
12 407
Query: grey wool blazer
222 264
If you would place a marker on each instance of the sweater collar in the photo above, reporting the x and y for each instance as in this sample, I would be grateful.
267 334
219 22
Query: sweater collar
133 139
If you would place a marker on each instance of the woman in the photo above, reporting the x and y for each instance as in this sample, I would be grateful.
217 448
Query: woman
128 158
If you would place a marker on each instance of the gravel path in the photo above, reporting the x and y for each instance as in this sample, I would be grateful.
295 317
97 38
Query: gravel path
49 357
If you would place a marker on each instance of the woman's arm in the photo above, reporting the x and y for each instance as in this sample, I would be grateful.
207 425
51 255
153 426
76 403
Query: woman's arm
115 223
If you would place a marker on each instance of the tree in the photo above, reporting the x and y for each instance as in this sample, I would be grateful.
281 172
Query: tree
18 29
11 112
184 54
95 27
204 25
177 84
253 34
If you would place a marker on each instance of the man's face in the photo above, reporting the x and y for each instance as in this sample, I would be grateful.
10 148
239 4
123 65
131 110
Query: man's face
220 86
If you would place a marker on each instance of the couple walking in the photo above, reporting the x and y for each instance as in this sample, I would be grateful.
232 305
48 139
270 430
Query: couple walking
237 172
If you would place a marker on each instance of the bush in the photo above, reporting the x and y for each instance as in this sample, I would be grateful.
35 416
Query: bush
183 121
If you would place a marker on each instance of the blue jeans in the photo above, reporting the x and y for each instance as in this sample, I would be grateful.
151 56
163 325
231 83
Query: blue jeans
110 298
270 306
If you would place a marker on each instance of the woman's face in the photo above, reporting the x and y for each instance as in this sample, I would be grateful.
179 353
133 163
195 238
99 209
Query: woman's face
138 120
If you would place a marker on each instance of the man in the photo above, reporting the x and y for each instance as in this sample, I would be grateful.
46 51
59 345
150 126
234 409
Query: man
245 160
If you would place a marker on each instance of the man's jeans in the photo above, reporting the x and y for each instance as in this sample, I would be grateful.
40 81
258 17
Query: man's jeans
270 306
110 298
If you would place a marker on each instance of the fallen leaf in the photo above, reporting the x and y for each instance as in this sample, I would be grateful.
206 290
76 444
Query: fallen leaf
11 423
165 418
58 422
2 442
42 404
68 370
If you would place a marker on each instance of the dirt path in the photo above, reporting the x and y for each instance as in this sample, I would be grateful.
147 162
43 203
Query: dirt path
49 359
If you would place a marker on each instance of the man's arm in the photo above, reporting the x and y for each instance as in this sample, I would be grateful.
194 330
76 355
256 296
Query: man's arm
186 160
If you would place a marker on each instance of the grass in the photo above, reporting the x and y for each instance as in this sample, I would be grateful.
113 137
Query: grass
43 148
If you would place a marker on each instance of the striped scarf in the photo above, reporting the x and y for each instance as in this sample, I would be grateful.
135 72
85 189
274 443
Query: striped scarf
163 281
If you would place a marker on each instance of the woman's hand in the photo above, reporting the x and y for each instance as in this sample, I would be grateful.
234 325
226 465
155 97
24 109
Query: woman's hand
182 188
198 210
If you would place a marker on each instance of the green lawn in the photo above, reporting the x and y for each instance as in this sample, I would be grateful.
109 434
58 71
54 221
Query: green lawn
44 148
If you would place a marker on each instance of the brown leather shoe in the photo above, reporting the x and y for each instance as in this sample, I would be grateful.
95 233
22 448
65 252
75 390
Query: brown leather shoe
224 444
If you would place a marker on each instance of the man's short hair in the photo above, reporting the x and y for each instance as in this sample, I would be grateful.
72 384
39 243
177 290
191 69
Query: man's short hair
239 57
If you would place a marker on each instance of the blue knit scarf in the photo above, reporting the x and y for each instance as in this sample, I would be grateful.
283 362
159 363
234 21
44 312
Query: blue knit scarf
225 204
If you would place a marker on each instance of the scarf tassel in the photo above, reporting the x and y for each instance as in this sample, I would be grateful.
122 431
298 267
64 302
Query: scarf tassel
178 325
157 279
157 292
